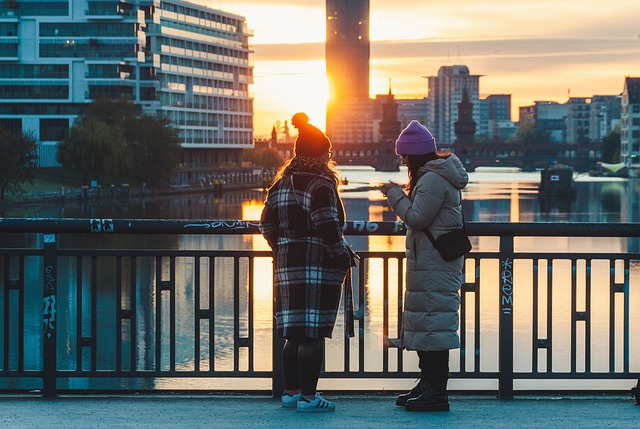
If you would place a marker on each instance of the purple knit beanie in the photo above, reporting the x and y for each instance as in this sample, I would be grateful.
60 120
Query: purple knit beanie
416 139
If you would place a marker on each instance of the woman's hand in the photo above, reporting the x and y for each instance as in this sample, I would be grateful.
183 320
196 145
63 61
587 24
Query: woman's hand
385 187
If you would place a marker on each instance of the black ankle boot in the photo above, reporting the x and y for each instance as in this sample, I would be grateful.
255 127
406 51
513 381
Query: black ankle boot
419 389
433 399
429 401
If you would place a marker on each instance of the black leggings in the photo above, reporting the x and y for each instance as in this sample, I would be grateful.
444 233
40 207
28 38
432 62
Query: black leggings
434 364
302 361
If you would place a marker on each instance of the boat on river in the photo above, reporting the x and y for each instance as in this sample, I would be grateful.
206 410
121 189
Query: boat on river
557 180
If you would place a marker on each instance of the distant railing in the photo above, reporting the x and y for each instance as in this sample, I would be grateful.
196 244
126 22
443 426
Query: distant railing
90 324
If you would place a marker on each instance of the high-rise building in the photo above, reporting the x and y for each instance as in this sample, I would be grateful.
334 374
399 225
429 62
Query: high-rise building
347 49
178 59
578 127
630 125
445 93
350 110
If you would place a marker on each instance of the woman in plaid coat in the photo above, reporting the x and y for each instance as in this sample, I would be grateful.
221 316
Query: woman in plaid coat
302 221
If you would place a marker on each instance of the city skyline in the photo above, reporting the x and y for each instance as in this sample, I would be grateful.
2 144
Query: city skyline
549 50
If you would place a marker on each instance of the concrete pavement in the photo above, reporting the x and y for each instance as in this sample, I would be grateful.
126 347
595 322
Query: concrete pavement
352 411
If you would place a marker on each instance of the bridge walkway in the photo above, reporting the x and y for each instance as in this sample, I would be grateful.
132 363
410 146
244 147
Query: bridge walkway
352 411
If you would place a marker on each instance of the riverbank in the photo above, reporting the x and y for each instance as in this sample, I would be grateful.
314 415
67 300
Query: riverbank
51 187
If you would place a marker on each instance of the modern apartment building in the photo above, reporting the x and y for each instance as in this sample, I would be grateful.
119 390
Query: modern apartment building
182 60
445 93
630 125
578 117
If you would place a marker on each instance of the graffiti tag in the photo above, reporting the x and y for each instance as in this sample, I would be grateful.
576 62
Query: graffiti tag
506 276
222 224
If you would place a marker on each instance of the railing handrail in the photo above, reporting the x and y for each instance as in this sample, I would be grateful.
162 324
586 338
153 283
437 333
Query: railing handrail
209 226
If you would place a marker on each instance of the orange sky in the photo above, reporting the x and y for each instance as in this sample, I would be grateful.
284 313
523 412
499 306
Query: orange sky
540 50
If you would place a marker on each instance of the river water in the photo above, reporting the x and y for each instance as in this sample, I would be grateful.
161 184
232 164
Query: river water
493 195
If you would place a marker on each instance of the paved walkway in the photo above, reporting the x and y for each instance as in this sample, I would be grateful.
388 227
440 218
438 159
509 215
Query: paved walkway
171 411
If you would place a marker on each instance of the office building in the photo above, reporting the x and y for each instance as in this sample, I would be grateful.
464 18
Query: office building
178 59
445 93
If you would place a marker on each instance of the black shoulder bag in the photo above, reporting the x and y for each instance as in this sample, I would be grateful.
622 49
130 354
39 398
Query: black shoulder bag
453 244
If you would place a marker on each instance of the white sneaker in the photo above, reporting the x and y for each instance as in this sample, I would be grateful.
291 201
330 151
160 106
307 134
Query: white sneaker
319 404
290 401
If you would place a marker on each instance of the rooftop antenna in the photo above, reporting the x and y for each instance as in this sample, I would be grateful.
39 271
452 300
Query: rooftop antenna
458 61
389 86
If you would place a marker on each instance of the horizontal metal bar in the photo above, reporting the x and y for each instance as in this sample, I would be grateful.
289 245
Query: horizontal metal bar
169 226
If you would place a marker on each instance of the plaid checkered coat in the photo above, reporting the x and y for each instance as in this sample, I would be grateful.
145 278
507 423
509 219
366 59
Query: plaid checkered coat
304 229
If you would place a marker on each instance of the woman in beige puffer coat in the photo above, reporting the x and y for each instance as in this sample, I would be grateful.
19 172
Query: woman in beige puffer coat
432 299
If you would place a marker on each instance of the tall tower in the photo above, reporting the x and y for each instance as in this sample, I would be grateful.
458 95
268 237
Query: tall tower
465 126
347 49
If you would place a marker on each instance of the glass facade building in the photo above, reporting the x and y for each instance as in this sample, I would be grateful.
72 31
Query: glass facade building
184 61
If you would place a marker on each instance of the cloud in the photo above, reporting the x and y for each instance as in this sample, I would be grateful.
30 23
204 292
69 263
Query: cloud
516 49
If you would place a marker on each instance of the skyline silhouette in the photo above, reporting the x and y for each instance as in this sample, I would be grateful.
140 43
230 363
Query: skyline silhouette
541 51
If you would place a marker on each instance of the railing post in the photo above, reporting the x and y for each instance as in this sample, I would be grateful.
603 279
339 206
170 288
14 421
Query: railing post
49 315
505 381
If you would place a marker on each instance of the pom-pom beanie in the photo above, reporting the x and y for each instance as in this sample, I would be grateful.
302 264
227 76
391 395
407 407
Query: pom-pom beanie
311 141
415 139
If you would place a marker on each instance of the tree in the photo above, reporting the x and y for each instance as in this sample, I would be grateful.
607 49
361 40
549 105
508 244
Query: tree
18 162
115 112
96 149
611 147
267 157
155 149
527 134
270 158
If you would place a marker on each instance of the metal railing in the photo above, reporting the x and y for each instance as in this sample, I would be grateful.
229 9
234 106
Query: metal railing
99 334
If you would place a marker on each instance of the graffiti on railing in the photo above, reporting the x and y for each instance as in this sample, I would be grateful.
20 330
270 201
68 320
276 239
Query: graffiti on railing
364 226
373 227
507 286
101 225
49 313
222 224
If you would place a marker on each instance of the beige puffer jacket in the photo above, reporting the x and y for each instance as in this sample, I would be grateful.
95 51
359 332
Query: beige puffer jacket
431 301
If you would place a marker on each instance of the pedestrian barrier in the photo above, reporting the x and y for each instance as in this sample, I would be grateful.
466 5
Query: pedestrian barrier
95 316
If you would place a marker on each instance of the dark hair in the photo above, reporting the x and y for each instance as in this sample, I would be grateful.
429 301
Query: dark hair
414 162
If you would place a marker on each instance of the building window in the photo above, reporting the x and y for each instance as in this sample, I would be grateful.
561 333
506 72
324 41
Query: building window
10 124
54 129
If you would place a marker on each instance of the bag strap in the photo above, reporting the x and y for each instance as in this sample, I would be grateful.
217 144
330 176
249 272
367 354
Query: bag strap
464 225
